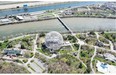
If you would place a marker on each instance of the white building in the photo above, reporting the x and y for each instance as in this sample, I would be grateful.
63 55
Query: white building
19 17
110 57
5 20
66 43
105 68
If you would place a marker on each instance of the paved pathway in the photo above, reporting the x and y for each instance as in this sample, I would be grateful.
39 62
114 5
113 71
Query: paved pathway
92 59
78 55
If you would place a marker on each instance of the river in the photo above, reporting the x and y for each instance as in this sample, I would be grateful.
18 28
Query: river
46 7
76 24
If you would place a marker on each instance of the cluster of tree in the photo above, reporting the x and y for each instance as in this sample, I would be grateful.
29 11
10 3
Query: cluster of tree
91 41
65 64
88 70
11 44
86 47
42 58
25 60
4 44
42 34
26 43
76 46
11 68
110 36
81 36
92 33
28 54
59 67
86 53
71 38
104 40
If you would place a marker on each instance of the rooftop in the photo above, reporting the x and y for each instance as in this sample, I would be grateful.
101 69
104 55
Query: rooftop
105 68
12 52
110 57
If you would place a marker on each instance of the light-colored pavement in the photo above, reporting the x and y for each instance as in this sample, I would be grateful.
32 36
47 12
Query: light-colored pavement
97 36
36 67
92 60
20 37
111 45
40 63
78 55
34 49
1 41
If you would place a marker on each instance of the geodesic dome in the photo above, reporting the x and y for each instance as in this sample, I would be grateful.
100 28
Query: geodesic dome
53 40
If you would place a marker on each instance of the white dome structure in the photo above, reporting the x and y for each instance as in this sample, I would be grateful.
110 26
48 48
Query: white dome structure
53 40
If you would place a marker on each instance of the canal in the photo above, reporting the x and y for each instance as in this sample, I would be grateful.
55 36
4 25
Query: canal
75 24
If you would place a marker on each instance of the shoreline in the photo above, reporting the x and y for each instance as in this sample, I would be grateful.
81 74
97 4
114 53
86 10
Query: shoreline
63 32
55 18
32 33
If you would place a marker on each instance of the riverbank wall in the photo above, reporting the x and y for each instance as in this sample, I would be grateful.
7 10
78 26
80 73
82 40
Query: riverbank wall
56 18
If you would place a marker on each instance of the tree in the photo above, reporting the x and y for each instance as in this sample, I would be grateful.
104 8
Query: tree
83 54
42 34
10 45
23 46
0 44
92 33
80 65
77 46
88 70
5 41
102 32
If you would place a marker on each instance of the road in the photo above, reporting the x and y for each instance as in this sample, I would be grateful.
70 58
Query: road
34 49
20 37
111 45
110 42
78 55
92 59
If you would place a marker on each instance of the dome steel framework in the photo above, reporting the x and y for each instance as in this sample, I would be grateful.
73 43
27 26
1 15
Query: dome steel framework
53 40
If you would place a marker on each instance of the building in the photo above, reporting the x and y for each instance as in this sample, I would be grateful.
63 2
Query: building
19 18
12 52
110 57
98 43
5 20
53 40
114 45
25 6
105 68
66 43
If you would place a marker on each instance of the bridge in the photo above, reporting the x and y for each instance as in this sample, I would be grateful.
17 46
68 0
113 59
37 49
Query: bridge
67 28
